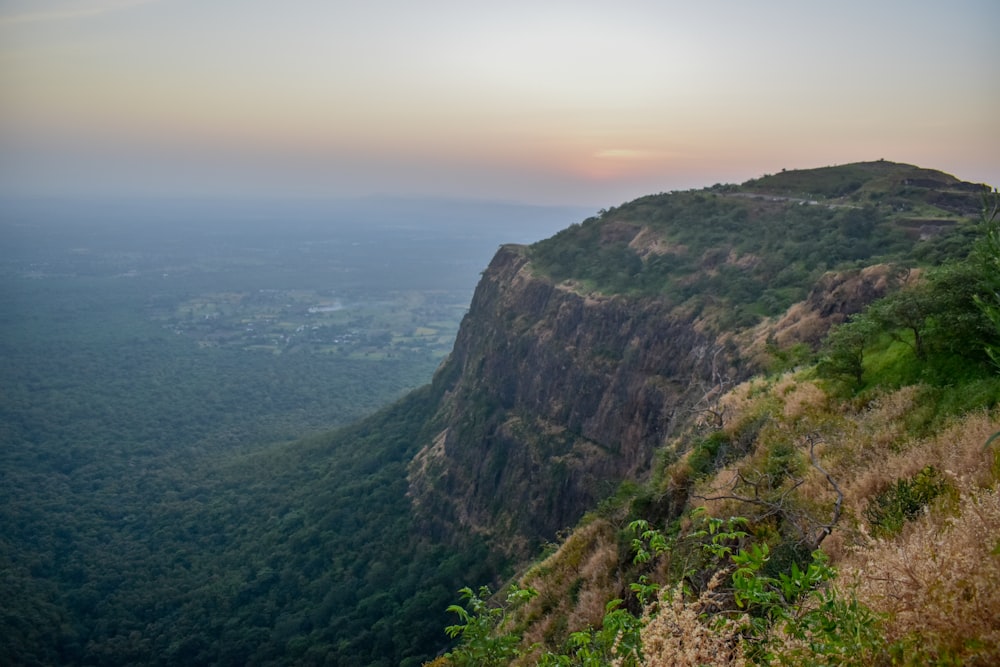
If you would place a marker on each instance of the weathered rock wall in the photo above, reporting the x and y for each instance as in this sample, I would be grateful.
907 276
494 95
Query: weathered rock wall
552 398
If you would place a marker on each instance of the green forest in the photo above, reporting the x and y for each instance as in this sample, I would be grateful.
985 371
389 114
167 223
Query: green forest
172 491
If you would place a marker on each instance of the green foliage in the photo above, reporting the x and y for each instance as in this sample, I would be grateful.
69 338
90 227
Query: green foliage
648 542
723 534
822 182
481 645
618 642
904 501
786 359
796 604
755 258
793 617
485 638
938 331
907 310
705 455
987 254
837 630
739 255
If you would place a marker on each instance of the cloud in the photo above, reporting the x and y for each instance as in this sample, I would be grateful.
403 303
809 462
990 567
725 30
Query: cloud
75 11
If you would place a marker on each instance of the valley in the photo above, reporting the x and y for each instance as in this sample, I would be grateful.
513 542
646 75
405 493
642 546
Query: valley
292 436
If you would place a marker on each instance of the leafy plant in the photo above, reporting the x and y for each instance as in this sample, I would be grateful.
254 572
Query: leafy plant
794 617
705 454
904 501
618 642
481 644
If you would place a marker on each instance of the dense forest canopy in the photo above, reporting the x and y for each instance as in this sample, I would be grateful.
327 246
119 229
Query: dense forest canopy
156 358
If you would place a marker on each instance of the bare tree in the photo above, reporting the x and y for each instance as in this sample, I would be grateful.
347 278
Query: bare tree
774 498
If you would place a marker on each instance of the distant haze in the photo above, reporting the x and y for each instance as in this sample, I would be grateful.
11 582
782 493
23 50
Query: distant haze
586 102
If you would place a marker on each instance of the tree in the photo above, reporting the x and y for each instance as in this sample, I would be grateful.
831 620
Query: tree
845 349
987 254
907 310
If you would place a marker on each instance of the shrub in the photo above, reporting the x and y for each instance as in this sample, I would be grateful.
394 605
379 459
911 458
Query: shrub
481 644
904 501
705 453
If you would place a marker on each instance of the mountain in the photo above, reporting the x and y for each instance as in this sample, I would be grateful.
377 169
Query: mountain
625 370
583 354
809 353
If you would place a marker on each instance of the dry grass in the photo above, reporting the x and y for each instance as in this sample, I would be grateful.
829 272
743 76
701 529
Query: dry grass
939 580
939 584
801 398
958 451
684 634
574 585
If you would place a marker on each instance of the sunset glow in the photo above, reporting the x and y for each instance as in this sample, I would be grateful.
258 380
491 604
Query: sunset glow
578 102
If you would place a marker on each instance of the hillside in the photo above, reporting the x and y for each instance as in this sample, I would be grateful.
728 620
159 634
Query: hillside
865 450
667 354
583 354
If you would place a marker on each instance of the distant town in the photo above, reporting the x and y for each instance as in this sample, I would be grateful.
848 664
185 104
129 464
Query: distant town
320 322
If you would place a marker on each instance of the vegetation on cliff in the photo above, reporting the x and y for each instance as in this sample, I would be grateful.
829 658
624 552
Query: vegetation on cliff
843 512
741 253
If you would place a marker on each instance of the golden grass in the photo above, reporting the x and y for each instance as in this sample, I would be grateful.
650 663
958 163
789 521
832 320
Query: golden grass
937 582
574 584
686 634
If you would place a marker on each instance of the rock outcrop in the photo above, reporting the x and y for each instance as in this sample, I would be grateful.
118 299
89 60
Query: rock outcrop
552 398
581 355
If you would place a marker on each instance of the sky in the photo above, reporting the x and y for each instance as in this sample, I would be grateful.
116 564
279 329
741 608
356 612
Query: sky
584 103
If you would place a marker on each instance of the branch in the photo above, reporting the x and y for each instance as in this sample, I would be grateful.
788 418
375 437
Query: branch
712 392
773 507
838 505
778 506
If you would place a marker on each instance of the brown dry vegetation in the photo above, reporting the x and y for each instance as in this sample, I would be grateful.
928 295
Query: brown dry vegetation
573 585
684 633
936 583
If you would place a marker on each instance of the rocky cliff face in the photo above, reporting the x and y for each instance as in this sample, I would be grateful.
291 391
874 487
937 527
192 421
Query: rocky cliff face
580 355
552 398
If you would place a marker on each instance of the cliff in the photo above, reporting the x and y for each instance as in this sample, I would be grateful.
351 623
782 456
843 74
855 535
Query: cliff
552 399
581 355
860 305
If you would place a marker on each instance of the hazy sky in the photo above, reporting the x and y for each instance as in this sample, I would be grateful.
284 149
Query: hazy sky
580 102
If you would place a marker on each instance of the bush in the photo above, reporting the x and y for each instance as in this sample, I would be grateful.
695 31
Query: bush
706 453
904 501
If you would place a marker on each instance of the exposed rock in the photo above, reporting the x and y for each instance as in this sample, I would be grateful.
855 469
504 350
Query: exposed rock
834 298
553 398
